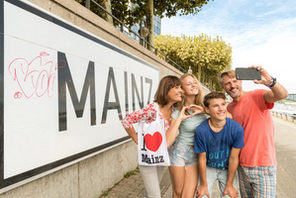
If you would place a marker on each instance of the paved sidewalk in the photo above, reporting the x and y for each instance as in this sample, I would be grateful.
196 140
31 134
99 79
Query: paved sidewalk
133 187
285 137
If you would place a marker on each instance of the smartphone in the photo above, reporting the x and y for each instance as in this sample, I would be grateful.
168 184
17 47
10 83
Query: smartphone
247 73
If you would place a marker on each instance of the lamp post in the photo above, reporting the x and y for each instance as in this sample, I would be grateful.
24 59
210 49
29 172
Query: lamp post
143 31
189 70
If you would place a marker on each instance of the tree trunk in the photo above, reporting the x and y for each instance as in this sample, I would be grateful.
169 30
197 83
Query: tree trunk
107 6
199 73
203 77
150 21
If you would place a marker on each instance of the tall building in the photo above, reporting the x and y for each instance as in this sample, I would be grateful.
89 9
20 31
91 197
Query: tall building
136 27
157 25
157 28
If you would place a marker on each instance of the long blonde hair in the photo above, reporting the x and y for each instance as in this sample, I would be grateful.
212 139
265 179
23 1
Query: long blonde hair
198 98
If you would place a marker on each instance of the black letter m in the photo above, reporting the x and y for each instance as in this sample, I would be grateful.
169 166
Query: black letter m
64 77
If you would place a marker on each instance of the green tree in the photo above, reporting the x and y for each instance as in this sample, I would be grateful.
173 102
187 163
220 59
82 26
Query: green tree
131 12
207 57
146 9
93 6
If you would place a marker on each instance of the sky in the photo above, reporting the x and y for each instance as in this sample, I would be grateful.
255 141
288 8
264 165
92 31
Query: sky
259 32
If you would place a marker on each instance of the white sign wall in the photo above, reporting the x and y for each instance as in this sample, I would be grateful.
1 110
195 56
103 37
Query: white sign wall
63 91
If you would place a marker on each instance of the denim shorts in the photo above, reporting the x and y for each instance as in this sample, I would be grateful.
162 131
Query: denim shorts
182 154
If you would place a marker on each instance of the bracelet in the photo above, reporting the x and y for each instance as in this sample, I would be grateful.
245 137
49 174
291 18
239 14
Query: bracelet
272 82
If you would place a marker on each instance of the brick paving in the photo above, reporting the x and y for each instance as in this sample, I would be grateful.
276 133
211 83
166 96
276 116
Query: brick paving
133 187
285 137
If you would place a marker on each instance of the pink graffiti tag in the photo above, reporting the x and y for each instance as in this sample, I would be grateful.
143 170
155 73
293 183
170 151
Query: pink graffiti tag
35 77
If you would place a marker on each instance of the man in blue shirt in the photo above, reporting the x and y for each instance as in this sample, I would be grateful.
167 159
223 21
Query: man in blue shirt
217 141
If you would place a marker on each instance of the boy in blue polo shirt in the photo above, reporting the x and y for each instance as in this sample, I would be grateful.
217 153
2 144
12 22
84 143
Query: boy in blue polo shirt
217 141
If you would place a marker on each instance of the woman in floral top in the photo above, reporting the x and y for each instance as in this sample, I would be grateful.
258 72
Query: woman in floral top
168 93
147 114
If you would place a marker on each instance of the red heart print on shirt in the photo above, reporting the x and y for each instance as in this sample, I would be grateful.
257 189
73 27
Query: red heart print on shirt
153 142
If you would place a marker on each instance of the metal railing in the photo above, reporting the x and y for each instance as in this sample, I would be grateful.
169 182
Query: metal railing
292 97
126 30
284 115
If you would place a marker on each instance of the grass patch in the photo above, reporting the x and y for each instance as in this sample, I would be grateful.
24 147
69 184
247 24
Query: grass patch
283 101
133 172
104 193
127 175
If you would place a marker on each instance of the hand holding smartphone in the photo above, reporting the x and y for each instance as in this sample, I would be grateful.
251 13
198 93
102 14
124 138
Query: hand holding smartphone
247 73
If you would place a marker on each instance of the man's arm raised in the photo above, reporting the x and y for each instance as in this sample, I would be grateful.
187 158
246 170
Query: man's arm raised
277 91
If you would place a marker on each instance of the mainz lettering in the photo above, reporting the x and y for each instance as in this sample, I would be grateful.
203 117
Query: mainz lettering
66 83
149 81
111 105
135 90
152 159
65 77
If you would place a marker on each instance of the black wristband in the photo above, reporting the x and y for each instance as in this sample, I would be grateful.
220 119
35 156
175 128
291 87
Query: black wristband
272 82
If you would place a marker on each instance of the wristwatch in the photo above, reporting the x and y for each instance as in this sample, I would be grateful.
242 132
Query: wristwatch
272 83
